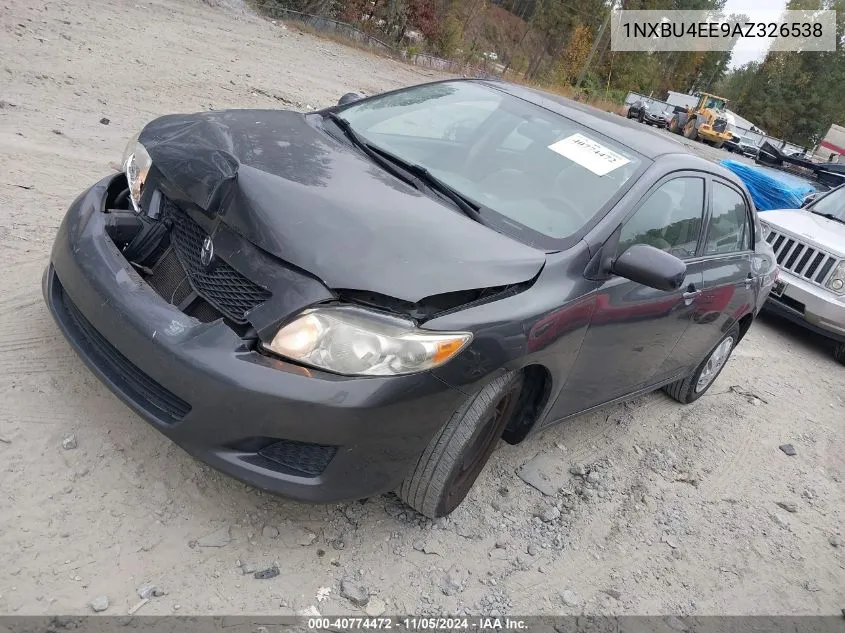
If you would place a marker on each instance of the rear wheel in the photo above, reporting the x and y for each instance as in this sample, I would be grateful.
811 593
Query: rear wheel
673 126
690 132
456 456
695 385
839 352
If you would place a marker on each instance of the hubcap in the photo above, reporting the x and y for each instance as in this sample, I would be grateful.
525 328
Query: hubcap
714 364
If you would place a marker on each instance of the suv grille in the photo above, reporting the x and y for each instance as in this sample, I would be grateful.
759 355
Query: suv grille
223 287
800 259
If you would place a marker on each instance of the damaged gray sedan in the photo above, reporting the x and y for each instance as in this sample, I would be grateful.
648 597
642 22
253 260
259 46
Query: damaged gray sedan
367 298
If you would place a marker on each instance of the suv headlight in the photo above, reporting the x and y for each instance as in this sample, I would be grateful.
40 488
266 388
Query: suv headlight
836 283
358 342
136 165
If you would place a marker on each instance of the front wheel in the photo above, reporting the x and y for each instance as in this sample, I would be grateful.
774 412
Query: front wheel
456 455
839 352
695 385
690 132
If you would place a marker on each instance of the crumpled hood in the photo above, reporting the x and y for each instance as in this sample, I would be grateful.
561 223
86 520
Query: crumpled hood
828 234
322 206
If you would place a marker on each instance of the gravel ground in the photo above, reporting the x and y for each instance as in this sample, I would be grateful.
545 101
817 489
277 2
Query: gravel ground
689 510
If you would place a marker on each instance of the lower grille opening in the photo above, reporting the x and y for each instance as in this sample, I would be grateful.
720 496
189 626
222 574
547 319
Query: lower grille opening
789 302
300 459
138 386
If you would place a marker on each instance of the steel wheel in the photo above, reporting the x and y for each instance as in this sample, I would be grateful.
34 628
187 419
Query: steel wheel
714 364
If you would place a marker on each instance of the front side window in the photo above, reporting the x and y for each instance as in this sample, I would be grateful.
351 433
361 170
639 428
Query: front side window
729 230
670 219
527 168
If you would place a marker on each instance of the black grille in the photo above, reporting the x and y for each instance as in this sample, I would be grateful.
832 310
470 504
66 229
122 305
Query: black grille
299 458
140 388
222 286
720 125
169 279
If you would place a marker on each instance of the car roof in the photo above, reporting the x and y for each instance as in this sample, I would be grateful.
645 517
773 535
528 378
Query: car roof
642 140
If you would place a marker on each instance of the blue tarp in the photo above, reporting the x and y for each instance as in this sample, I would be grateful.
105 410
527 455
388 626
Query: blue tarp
769 188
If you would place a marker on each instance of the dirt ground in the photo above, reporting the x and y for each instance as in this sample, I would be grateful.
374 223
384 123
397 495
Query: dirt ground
677 509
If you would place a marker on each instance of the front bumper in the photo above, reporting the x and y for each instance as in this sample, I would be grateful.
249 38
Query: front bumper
709 134
201 385
810 306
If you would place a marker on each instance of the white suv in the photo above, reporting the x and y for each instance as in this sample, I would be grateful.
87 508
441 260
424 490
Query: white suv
809 245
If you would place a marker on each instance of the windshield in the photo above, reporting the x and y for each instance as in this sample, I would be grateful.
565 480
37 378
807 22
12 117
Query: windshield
832 204
527 167
715 103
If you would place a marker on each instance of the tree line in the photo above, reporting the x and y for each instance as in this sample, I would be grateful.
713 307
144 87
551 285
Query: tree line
564 45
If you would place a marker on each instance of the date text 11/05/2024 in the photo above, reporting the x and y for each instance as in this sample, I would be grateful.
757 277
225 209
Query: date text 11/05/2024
479 623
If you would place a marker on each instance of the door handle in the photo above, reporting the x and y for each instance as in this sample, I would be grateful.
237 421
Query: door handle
748 280
690 296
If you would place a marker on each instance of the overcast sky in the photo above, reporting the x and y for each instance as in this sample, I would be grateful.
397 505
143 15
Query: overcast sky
757 10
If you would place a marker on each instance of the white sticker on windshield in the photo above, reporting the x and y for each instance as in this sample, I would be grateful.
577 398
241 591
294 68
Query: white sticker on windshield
589 154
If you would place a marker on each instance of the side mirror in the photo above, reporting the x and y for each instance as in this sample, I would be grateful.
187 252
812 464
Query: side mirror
650 267
349 97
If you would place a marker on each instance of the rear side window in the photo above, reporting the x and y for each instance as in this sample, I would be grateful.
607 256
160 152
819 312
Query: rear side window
728 231
670 219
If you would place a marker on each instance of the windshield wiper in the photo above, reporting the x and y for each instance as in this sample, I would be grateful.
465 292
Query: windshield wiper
365 147
417 175
830 216
467 206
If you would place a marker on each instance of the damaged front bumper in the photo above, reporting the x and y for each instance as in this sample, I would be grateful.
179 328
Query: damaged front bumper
301 433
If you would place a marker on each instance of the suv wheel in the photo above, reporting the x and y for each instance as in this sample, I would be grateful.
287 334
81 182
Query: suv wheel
839 352
695 385
456 456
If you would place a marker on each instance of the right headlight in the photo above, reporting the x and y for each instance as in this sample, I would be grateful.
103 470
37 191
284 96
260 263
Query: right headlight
836 283
136 165
358 342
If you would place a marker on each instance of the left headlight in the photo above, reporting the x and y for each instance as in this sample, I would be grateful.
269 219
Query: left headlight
357 342
136 165
836 283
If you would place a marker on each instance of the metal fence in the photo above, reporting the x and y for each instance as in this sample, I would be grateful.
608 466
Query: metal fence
352 32
754 138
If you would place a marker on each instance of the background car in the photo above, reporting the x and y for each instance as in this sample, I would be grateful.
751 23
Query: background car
648 113
809 244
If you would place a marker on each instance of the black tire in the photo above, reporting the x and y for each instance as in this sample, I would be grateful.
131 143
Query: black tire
685 390
839 352
718 144
455 457
690 132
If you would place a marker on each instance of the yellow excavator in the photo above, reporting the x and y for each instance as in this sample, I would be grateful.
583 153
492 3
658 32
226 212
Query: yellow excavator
706 121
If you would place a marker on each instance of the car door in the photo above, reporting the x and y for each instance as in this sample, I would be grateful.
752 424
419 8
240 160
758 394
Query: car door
635 328
728 285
